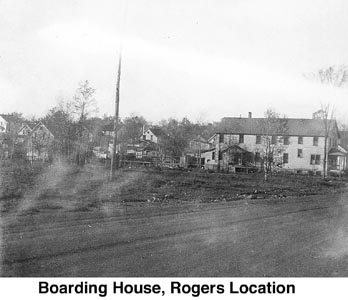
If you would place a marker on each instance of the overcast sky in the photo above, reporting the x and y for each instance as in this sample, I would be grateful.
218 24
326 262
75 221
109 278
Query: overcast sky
200 59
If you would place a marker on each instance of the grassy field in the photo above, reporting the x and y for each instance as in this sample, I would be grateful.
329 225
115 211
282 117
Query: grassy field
61 186
60 220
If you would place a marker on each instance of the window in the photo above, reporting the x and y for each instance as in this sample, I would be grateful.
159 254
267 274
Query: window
221 138
315 141
299 153
315 159
286 140
220 155
285 158
300 140
274 139
258 139
241 138
213 155
151 137
144 137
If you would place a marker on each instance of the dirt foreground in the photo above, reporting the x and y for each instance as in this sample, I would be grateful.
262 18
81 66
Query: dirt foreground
175 223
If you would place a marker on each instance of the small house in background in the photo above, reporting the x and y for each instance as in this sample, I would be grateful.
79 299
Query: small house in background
23 139
159 154
143 151
4 123
208 158
199 144
3 130
193 156
42 141
154 134
10 123
25 131
105 141
38 141
104 149
147 149
108 130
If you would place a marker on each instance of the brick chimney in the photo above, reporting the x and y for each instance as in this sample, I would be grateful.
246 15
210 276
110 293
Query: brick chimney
250 114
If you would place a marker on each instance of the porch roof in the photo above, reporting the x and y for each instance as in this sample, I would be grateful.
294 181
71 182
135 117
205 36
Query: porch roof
235 148
338 151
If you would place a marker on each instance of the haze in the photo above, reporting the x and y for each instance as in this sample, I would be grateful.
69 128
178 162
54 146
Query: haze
199 59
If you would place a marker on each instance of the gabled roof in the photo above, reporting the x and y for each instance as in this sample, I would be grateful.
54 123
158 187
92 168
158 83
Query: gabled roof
24 126
157 131
31 125
255 126
41 124
338 151
211 138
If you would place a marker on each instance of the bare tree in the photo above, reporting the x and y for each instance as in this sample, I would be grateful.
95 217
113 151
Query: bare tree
326 114
60 124
336 76
68 110
84 103
273 129
333 75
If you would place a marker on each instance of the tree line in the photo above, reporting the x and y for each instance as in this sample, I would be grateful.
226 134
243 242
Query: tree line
76 129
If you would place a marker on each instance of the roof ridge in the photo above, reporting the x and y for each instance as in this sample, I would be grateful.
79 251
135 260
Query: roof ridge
253 126
262 118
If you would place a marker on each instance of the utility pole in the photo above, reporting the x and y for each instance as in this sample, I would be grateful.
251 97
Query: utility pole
114 161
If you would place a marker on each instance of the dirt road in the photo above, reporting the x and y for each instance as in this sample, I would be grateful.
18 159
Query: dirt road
305 236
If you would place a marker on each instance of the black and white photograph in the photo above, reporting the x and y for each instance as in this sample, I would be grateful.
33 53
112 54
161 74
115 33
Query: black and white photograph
162 138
